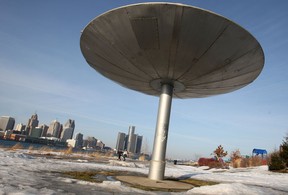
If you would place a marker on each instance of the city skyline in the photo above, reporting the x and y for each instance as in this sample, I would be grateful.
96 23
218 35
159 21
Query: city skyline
131 142
55 134
42 68
33 123
56 130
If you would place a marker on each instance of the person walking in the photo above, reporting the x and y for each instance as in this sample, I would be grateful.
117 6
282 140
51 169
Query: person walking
125 154
120 153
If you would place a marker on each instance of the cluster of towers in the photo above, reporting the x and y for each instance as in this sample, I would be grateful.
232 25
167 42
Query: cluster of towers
33 129
130 142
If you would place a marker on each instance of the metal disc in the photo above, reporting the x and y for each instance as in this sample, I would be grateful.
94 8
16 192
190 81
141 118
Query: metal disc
199 52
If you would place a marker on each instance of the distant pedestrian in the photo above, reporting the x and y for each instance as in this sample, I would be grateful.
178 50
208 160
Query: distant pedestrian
120 153
125 154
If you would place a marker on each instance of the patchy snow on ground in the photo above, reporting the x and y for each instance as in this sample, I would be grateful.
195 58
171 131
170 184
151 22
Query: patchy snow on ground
23 174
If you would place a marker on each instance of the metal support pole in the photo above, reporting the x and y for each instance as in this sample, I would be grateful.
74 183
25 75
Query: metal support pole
157 164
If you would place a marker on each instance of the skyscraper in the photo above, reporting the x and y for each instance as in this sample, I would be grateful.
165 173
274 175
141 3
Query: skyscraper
91 142
36 132
54 129
131 139
131 130
68 130
126 142
7 123
20 127
45 129
100 144
79 140
120 145
138 144
32 123
131 142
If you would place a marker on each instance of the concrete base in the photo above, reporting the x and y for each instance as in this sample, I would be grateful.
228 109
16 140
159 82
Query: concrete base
163 185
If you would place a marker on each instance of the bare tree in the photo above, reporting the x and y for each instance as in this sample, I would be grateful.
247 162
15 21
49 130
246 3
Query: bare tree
219 152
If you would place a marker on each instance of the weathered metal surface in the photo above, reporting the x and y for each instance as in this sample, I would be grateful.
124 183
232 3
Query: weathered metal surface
201 53
158 161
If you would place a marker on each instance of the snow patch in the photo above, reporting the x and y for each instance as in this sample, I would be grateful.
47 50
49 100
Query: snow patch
21 174
125 164
223 189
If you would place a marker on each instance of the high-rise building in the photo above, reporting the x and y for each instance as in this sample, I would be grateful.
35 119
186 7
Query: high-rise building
85 143
100 144
131 139
36 132
120 145
131 142
79 140
126 142
67 133
131 130
32 123
20 127
91 142
138 144
68 130
54 129
7 123
45 129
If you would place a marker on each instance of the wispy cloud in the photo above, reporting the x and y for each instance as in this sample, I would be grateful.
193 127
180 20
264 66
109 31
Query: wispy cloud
42 83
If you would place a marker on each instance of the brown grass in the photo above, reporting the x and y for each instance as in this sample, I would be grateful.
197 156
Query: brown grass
199 183
236 158
281 171
216 165
31 148
236 163
17 146
256 161
96 155
109 154
248 162
90 175
142 158
45 149
99 176
68 151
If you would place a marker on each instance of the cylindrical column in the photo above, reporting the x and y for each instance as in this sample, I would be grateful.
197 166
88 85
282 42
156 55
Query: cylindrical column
157 164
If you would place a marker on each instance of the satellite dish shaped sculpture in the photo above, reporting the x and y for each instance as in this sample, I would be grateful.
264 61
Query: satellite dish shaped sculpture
172 51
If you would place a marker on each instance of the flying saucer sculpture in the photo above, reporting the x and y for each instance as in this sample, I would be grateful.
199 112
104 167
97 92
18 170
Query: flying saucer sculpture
171 50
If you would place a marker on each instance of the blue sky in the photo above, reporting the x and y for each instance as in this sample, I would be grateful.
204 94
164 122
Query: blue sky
42 70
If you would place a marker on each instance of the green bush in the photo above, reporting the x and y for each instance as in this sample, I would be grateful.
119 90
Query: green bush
284 151
275 162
